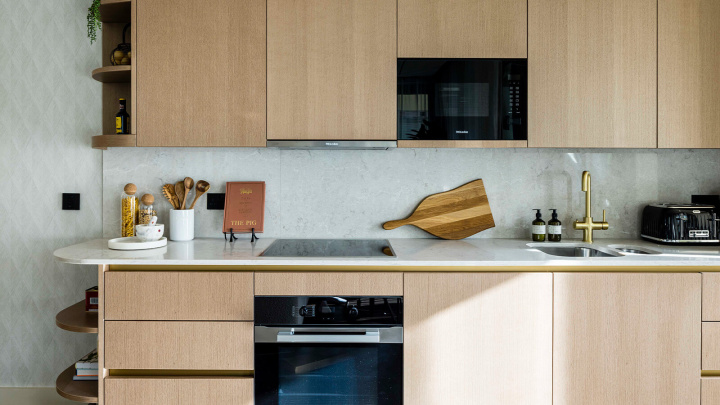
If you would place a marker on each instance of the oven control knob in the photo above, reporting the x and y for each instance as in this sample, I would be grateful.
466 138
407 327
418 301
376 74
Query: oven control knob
303 311
353 312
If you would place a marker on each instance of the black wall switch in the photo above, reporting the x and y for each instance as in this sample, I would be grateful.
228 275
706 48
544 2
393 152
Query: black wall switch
71 201
216 201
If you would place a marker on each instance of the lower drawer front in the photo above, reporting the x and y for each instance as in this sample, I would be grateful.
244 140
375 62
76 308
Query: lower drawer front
178 391
710 391
711 345
179 345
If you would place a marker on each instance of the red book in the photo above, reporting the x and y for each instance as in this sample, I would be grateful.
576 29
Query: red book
91 299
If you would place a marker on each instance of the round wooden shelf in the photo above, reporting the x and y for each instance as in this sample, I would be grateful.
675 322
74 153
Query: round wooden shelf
113 141
75 319
115 11
80 391
112 74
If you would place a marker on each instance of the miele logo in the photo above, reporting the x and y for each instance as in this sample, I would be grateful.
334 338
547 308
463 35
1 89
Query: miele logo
332 144
462 132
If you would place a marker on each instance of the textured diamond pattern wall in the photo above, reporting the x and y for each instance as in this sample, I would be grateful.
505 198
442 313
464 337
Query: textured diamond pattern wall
49 109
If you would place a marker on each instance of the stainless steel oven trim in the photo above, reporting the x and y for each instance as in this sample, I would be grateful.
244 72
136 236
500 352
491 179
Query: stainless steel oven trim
359 335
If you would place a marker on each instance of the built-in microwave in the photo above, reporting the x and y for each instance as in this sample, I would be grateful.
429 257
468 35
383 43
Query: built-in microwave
462 99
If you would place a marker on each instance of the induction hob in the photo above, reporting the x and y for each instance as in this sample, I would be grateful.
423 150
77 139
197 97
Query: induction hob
329 248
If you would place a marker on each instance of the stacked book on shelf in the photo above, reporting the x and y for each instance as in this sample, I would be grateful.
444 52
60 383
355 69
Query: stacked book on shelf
86 369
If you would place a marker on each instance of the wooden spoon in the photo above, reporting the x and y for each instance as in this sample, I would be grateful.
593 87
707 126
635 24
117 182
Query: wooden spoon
189 183
201 188
180 193
169 192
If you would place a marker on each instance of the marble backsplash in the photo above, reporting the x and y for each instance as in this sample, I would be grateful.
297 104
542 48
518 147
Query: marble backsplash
349 194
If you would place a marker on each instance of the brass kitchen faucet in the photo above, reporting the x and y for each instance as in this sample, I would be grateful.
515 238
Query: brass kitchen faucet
588 226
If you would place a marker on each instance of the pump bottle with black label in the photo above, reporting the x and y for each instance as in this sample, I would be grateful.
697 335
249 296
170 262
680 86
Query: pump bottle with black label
538 227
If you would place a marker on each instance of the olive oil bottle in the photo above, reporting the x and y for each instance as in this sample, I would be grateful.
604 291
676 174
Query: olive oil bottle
538 227
122 119
554 229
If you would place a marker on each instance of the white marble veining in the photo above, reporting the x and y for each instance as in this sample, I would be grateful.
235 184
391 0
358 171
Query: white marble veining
443 254
349 194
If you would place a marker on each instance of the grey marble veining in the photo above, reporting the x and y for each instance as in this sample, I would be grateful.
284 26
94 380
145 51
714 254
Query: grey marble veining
349 194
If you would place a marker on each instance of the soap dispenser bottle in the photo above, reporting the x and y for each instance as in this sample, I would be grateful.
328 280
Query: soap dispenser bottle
538 227
554 228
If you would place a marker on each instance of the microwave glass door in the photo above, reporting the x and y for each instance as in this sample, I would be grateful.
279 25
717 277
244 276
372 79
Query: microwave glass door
461 99
328 374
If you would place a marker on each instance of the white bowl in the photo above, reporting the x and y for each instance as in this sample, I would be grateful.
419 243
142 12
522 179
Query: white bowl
149 233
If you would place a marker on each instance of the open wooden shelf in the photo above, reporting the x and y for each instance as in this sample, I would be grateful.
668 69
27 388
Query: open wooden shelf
113 141
80 391
75 319
112 74
115 11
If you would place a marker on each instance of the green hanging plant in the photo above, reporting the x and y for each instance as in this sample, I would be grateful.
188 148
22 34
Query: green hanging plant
93 20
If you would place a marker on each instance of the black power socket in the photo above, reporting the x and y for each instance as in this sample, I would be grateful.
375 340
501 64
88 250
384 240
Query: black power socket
71 201
216 201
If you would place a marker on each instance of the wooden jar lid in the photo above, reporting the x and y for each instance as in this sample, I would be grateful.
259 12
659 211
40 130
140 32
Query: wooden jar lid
130 189
148 199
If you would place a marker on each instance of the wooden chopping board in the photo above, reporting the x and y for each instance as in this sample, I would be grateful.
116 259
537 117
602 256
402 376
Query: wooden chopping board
454 214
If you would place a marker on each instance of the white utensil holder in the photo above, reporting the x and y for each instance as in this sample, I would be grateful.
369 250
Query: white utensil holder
182 225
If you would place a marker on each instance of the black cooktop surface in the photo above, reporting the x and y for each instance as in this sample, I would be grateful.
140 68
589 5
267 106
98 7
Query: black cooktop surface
329 248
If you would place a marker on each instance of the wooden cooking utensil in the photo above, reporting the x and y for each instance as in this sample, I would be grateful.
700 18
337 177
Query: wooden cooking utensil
180 193
189 183
201 188
169 193
454 214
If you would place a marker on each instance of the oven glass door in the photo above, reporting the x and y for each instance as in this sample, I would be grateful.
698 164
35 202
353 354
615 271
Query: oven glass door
328 373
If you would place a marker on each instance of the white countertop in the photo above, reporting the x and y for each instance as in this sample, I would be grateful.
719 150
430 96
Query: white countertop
463 254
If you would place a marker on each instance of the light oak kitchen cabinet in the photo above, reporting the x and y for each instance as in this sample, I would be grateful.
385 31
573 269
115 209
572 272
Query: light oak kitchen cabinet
462 29
478 338
200 72
179 390
331 69
626 338
689 74
592 73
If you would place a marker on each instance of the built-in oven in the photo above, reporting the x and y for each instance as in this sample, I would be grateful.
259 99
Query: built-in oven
328 350
462 99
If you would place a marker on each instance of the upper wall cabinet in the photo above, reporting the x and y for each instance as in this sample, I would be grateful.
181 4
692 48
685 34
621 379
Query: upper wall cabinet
200 73
689 74
332 69
592 73
462 29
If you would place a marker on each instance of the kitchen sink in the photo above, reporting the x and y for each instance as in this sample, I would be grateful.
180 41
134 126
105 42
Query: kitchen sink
634 250
574 251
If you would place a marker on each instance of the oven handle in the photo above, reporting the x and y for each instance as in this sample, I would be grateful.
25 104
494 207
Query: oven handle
264 334
329 336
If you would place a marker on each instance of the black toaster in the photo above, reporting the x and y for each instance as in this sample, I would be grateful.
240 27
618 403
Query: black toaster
680 224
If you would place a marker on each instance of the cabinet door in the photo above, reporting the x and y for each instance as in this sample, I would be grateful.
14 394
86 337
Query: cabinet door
462 29
710 391
332 69
626 339
178 390
200 73
592 73
478 338
689 74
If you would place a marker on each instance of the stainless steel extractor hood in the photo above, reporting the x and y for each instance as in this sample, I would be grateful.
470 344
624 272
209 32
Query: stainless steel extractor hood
338 145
